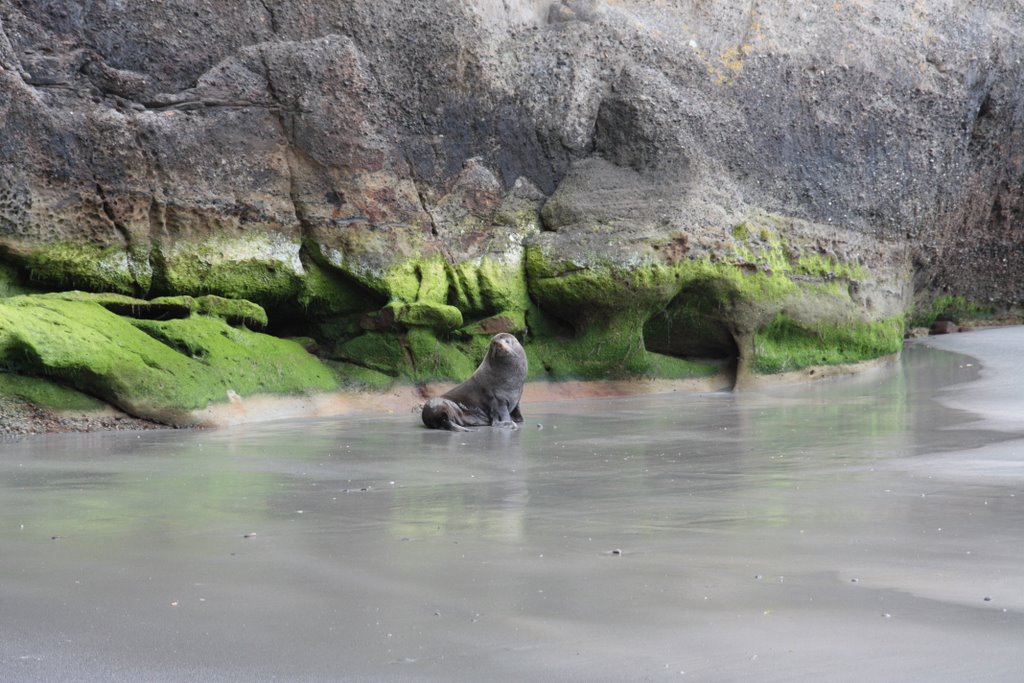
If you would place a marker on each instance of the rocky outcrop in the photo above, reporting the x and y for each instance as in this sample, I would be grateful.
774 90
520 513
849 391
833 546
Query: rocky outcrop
628 185
154 360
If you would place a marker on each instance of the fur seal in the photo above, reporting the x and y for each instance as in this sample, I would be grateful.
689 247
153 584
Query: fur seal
490 397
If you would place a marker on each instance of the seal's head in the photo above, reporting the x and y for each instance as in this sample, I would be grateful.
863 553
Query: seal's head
505 348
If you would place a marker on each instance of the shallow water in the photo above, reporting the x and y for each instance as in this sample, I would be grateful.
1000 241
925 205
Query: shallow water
864 529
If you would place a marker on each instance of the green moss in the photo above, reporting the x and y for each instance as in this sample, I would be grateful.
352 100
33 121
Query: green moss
697 308
576 292
670 367
378 351
596 356
10 282
326 292
464 292
541 325
953 307
104 299
607 307
741 231
419 291
402 282
695 324
434 359
612 311
837 291
233 311
260 267
351 376
431 293
182 303
785 344
433 281
64 265
246 362
424 280
728 284
153 369
99 353
751 295
487 285
583 358
790 259
503 285
426 314
600 296
731 300
132 307
309 344
46 393
593 358
333 328
772 259
418 354
828 267
255 281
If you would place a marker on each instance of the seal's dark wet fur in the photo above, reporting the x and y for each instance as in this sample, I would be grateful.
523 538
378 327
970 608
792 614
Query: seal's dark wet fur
490 397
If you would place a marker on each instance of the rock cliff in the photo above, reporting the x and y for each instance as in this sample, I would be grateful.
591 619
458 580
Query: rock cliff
632 186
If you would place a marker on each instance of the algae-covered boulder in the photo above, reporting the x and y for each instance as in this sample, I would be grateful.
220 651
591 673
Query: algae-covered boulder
232 311
786 295
425 314
605 302
633 267
603 266
264 266
786 344
417 354
156 369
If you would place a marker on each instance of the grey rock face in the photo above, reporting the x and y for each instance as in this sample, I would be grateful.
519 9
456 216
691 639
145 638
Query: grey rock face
356 135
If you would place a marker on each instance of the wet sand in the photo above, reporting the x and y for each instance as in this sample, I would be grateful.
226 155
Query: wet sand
860 529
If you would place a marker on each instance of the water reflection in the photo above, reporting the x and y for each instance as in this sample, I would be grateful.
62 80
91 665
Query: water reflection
490 504
300 549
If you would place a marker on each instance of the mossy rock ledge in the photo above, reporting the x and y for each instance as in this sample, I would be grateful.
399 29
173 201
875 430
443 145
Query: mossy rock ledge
635 275
590 301
615 275
157 367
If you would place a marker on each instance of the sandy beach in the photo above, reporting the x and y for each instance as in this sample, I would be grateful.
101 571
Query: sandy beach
865 528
